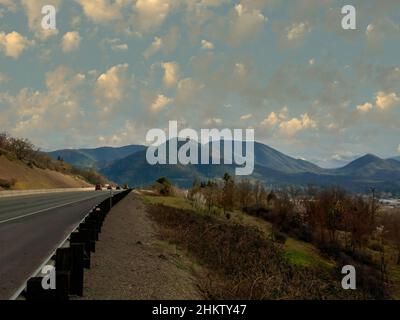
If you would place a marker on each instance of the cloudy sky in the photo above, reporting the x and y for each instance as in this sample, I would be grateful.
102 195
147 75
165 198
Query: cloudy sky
113 69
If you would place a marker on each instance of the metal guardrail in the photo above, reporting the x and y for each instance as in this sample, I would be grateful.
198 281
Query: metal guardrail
16 193
71 257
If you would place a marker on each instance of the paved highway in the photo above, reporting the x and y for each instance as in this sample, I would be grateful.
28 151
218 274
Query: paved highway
31 228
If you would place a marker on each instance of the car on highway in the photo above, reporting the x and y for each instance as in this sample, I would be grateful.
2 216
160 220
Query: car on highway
109 188
98 187
118 188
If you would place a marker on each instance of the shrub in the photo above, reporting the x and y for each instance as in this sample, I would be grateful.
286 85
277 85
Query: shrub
302 233
330 248
241 262
376 247
165 186
7 184
279 237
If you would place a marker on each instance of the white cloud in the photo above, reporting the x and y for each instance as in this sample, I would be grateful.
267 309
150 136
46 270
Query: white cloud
298 31
56 107
241 69
307 122
246 23
171 73
116 45
167 43
370 29
398 149
71 41
213 121
155 46
271 120
364 107
206 45
291 127
386 100
102 11
246 116
111 86
152 13
13 44
160 102
283 114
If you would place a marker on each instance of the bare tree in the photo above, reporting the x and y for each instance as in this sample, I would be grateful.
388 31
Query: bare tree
244 191
4 140
22 148
392 224
228 191
357 214
210 192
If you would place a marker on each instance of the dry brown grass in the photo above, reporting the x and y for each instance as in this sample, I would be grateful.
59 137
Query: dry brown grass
25 177
241 262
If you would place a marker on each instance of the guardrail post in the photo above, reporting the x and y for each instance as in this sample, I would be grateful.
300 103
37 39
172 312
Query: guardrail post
98 213
63 270
83 236
35 291
77 272
62 284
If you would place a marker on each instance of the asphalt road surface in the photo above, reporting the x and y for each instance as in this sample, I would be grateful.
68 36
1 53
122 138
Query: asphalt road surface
32 227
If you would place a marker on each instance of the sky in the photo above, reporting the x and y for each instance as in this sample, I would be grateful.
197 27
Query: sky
113 69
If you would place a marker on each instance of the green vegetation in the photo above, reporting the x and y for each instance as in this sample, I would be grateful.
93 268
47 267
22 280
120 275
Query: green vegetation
164 186
305 254
173 202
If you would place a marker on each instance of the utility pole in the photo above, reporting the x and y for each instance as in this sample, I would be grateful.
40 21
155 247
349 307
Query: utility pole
373 189
110 198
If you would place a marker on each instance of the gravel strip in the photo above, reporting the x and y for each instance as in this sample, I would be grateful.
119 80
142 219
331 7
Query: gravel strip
130 263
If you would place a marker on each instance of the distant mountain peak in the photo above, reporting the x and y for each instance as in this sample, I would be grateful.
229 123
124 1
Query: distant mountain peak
370 157
364 160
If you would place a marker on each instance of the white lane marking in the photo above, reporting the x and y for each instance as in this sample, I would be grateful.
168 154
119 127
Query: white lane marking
46 209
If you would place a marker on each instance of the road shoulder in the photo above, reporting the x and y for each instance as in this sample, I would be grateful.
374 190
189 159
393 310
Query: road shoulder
132 263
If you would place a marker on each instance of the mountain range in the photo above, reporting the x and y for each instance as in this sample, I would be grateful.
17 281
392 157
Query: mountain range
94 158
129 165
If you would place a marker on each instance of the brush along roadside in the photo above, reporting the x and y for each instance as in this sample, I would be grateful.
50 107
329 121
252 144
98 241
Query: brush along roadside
241 262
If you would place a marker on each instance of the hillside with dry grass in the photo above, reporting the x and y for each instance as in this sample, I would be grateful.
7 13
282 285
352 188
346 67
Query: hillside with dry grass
23 166
17 175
